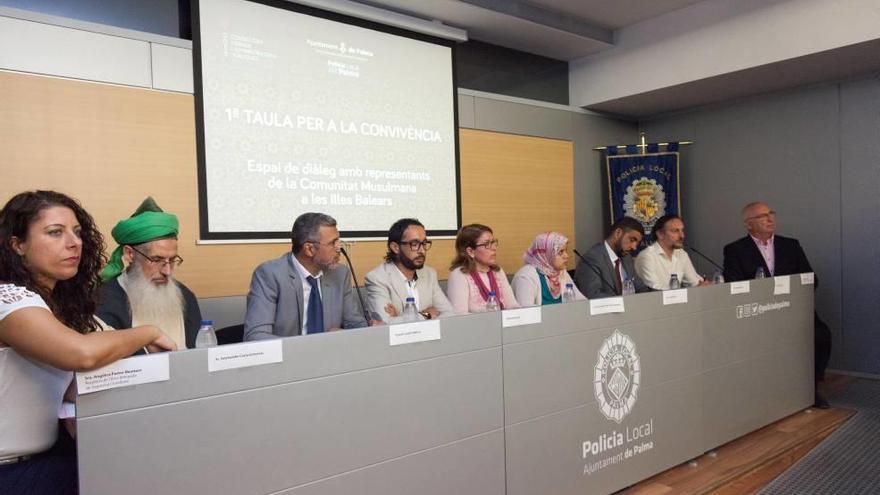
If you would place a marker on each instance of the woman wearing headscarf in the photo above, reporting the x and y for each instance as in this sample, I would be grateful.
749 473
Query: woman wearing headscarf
543 278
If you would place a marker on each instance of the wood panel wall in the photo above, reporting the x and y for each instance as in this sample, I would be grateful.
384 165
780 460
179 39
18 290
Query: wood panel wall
111 146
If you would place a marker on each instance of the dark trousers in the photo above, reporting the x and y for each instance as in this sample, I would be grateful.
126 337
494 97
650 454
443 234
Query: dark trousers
822 339
50 473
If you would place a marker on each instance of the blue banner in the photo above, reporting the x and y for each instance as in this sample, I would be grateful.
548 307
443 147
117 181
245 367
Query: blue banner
643 186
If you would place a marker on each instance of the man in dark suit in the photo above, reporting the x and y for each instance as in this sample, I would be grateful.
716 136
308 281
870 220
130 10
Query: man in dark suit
765 252
305 291
607 264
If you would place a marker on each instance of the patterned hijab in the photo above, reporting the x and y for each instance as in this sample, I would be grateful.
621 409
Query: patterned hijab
540 255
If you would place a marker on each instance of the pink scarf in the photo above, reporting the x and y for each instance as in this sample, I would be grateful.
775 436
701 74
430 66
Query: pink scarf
540 255
492 283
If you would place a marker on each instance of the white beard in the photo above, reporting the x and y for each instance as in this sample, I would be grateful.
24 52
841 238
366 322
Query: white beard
159 305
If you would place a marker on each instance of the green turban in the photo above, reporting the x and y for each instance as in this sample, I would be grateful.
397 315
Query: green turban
148 223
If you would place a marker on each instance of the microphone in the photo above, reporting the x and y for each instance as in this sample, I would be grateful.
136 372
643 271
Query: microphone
356 286
596 271
716 265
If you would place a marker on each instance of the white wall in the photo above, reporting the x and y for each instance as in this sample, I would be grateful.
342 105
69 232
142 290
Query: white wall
716 37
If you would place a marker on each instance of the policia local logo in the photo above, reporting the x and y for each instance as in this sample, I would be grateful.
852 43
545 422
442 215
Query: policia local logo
617 376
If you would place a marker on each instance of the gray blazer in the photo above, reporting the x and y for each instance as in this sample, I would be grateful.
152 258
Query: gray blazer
385 285
594 286
275 301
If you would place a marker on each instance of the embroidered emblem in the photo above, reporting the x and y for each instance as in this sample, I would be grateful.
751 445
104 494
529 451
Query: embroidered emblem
645 201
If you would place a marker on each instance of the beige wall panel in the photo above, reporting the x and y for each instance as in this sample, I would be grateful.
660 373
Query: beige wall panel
111 146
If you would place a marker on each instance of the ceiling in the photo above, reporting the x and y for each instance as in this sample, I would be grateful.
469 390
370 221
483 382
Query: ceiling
829 65
571 29
614 14
560 29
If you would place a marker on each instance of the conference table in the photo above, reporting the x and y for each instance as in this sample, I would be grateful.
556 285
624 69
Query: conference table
575 398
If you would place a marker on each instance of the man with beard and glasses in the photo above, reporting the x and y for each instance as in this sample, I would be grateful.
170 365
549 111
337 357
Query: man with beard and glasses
607 264
404 274
139 287
305 291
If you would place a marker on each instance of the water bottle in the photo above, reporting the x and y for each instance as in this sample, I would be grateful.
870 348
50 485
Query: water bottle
718 277
674 283
760 272
629 287
568 293
206 336
492 302
410 312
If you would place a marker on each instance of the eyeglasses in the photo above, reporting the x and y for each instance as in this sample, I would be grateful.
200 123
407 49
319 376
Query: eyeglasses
173 262
415 245
493 244
336 244
764 216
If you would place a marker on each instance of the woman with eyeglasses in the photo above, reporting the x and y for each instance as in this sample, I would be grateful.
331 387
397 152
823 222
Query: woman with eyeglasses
543 278
474 273
50 256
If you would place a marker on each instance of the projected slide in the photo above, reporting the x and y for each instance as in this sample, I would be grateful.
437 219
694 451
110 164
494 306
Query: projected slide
302 113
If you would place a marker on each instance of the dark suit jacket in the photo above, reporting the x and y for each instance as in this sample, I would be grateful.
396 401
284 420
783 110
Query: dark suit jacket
595 286
115 310
275 301
742 259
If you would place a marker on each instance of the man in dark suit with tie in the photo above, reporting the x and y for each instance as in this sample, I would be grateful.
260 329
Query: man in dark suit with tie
765 252
607 264
304 291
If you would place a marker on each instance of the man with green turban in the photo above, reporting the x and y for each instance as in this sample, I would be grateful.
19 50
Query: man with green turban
139 288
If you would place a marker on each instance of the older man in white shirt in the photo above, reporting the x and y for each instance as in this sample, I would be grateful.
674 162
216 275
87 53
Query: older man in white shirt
659 261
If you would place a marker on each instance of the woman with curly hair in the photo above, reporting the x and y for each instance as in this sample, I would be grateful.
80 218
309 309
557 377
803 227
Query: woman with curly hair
50 257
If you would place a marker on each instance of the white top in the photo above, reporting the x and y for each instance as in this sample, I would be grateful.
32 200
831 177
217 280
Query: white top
655 269
527 286
307 289
30 393
410 286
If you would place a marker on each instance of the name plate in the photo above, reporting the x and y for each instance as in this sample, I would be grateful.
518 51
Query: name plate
229 357
606 305
740 287
520 316
130 371
409 333
781 285
808 278
678 296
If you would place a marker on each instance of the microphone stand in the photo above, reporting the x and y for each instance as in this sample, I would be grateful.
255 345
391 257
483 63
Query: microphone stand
356 285
596 271
716 265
